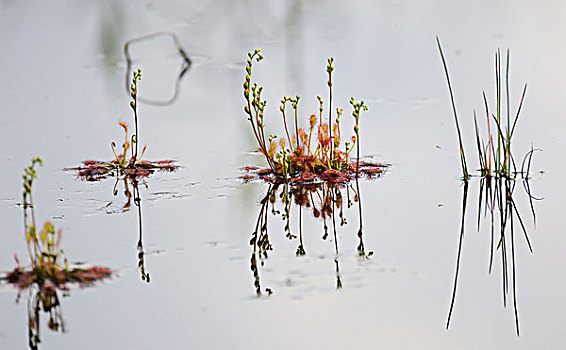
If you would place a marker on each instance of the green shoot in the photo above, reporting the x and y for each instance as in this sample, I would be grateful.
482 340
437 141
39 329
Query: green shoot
466 175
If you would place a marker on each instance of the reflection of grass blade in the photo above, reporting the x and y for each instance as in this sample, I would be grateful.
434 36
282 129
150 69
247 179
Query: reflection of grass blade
522 224
489 196
526 184
503 217
514 276
480 202
462 155
464 202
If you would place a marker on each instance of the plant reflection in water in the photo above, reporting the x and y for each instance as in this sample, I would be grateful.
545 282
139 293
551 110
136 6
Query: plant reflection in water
324 200
496 203
180 50
49 271
46 299
134 196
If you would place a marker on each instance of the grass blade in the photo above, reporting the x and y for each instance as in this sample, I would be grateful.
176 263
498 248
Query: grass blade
462 155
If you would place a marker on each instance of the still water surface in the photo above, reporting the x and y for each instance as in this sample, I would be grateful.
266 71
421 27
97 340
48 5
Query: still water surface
63 95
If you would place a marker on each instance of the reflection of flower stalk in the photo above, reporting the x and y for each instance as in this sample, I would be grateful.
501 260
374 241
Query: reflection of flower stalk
45 299
260 238
135 194
336 252
301 248
358 106
325 200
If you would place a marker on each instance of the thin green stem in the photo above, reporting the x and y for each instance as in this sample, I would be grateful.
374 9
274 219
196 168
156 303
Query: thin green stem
462 155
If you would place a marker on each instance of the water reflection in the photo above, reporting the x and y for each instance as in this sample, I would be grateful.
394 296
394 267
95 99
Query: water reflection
181 51
496 204
46 299
134 196
323 200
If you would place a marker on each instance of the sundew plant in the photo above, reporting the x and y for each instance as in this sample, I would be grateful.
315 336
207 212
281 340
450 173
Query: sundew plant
308 167
49 266
305 154
127 162
49 270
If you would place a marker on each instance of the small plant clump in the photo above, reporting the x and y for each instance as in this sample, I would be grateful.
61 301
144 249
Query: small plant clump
121 165
498 174
49 266
495 156
305 154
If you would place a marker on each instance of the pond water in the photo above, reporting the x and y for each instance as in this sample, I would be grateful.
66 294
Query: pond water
63 95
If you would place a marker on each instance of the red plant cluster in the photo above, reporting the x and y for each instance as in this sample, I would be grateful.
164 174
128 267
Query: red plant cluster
57 277
305 155
306 175
93 170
